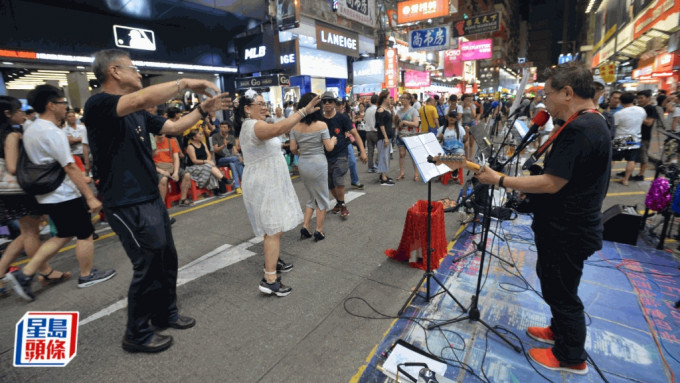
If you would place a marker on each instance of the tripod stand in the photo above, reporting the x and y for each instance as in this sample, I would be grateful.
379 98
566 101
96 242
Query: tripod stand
429 274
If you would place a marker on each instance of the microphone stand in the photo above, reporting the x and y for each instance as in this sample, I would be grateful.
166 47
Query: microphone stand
474 314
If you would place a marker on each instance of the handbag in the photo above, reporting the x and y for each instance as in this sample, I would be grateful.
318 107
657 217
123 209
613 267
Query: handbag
8 181
38 179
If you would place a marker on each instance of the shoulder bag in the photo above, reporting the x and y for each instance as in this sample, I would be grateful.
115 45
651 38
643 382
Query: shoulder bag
36 179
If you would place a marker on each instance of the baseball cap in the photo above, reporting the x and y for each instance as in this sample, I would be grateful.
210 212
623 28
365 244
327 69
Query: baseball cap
599 80
327 95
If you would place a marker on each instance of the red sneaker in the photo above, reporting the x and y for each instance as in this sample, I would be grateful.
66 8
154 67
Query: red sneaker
541 334
546 358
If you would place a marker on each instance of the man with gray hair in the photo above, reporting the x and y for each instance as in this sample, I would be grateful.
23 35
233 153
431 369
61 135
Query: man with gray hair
567 202
118 130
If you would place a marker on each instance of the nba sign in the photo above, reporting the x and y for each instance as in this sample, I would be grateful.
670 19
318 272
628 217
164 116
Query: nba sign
46 339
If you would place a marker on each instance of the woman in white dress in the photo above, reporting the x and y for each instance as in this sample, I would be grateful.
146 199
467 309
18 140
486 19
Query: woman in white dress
268 193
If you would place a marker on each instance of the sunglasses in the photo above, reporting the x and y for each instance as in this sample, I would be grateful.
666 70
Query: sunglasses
328 101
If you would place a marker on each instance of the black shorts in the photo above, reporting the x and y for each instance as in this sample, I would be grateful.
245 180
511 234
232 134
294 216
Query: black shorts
71 218
630 155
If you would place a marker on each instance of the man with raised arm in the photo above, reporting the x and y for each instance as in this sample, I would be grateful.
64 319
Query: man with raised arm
118 130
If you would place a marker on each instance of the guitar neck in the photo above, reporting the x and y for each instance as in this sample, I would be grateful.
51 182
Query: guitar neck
455 162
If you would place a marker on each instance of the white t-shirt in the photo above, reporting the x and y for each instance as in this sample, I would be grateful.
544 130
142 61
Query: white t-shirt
369 119
676 111
628 122
79 132
548 127
45 143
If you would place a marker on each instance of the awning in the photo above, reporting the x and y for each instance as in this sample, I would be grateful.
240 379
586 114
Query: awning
641 45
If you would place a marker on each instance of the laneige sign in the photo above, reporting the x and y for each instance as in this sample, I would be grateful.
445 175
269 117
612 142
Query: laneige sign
337 40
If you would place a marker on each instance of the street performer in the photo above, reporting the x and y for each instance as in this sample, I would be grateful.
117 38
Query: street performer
566 201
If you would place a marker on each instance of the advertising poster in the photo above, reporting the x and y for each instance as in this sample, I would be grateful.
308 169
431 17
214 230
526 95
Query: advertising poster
476 50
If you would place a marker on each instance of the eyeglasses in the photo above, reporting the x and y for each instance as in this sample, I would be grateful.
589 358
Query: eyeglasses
546 94
133 67
328 101
260 104
60 102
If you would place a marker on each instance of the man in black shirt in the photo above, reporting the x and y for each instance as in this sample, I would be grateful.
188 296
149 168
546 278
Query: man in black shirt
339 126
644 98
118 130
567 200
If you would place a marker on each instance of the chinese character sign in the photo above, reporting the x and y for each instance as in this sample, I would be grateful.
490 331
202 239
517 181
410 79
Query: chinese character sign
46 339
476 25
391 68
362 11
453 65
476 50
416 10
429 39
608 72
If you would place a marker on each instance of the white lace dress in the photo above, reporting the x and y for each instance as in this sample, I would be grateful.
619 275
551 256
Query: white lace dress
268 193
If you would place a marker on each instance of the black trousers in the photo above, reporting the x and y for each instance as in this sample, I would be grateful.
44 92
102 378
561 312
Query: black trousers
144 230
559 268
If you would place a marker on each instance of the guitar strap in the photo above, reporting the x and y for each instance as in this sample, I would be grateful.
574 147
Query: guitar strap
537 155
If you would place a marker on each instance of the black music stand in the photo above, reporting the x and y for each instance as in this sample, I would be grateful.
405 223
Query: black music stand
422 148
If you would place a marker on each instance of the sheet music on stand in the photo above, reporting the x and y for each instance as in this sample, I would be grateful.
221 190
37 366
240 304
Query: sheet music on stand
420 147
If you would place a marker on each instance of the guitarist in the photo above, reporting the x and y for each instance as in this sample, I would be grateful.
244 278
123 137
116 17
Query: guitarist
567 200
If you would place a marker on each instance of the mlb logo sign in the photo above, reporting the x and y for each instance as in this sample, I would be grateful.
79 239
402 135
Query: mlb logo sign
46 339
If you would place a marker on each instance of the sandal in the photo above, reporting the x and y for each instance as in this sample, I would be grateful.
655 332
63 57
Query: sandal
186 203
401 177
45 279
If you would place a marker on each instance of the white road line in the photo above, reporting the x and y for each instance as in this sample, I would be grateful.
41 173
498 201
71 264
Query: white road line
221 257
217 259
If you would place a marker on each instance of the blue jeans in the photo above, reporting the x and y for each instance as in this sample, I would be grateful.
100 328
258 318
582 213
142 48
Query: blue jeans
235 165
352 159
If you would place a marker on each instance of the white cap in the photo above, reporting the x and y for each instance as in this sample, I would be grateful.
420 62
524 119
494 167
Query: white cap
599 80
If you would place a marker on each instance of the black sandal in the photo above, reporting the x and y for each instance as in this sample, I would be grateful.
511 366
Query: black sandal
304 233
45 279
186 203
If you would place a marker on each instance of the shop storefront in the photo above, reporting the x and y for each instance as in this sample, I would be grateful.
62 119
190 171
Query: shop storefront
59 52
324 52
261 57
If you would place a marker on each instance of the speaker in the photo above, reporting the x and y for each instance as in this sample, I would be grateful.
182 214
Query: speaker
621 224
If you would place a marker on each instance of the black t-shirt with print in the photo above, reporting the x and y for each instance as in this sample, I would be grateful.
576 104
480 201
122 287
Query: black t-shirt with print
581 154
338 125
384 118
121 150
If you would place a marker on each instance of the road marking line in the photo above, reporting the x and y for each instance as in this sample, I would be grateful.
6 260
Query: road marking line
217 259
223 256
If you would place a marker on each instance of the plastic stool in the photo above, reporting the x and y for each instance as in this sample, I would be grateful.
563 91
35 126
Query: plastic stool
227 173
173 193
445 178
196 191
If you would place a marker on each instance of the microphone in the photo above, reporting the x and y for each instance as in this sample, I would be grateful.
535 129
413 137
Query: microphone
540 119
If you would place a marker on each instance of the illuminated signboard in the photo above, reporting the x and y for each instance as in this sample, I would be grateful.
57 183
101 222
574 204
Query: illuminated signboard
337 40
416 79
476 50
134 38
369 71
391 68
453 66
416 10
